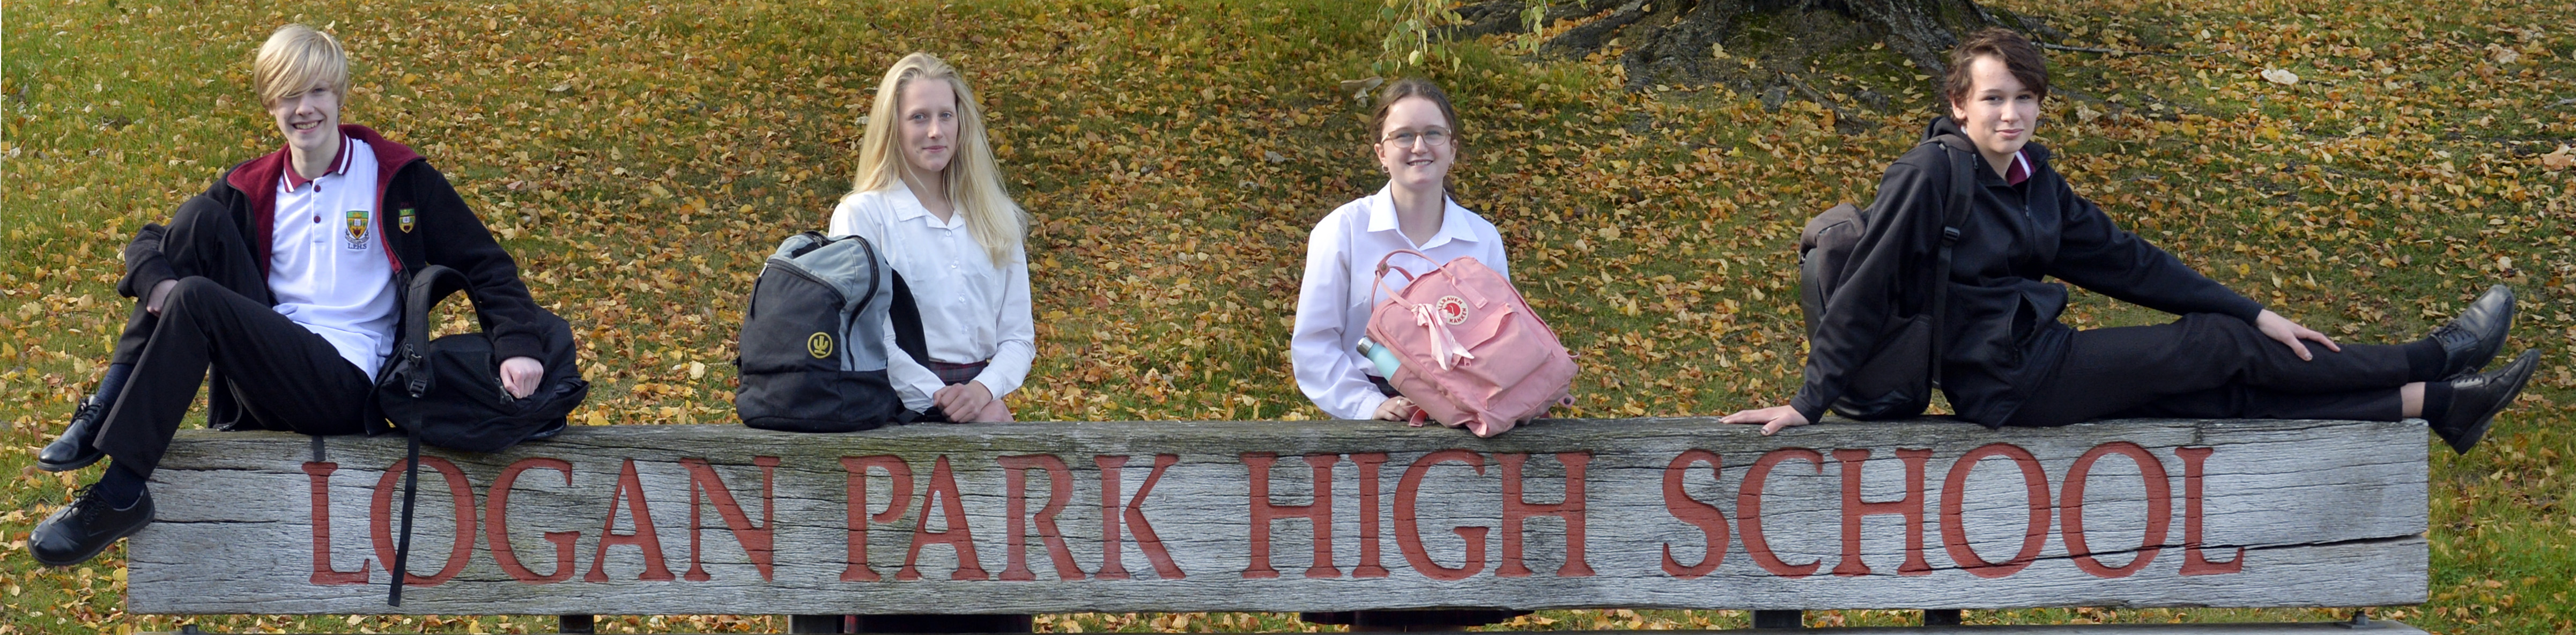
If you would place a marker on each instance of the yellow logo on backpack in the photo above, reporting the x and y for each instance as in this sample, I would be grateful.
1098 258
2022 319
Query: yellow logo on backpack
819 345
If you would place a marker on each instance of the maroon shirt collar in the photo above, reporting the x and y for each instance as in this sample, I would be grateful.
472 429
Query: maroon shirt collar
2019 170
339 165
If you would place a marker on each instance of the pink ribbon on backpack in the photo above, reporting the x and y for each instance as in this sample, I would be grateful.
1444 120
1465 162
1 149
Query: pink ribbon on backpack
1444 343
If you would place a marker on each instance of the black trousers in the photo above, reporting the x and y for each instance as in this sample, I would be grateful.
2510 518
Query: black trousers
279 375
2210 366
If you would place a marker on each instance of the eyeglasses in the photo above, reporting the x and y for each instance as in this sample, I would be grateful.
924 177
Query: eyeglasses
1435 137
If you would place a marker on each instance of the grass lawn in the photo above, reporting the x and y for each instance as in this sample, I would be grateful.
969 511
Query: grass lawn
640 158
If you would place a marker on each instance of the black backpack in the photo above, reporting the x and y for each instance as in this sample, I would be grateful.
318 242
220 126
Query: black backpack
811 354
1897 380
447 392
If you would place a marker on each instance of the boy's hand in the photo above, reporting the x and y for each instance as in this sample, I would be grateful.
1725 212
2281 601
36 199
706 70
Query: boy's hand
520 376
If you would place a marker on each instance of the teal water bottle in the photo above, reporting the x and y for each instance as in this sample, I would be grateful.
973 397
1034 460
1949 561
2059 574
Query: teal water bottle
1379 355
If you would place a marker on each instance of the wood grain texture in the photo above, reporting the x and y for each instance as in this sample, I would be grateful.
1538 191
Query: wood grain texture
2328 513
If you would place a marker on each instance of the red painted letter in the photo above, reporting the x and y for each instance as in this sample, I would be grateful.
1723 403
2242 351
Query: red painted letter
2193 561
320 476
1710 521
1954 527
1059 488
1911 507
754 538
942 494
382 511
1517 509
1369 564
2159 508
1748 507
1408 537
630 490
1110 566
1318 513
496 525
900 475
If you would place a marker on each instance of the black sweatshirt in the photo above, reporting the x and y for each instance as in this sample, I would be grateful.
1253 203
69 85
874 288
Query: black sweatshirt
2001 337
423 221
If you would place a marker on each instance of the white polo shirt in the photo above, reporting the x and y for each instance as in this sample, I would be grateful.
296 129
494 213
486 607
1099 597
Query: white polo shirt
328 266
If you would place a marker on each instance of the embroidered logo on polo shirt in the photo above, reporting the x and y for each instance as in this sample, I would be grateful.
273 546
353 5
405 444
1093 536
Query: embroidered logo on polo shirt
1453 309
819 345
357 226
404 219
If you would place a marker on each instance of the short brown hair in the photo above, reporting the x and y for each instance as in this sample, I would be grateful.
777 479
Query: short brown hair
2020 57
294 57
1411 87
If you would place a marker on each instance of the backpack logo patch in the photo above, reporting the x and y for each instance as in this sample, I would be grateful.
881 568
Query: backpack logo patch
819 345
357 229
1453 309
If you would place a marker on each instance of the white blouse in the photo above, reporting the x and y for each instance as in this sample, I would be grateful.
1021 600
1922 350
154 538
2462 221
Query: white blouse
1340 290
972 310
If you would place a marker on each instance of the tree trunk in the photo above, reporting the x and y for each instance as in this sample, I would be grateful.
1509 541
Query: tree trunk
1751 44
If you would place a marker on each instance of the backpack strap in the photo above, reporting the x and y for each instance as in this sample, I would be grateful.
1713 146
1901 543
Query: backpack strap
1954 218
411 368
402 547
433 283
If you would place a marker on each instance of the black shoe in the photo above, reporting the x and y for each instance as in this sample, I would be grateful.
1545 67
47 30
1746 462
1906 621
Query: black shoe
2472 339
2476 399
73 450
79 531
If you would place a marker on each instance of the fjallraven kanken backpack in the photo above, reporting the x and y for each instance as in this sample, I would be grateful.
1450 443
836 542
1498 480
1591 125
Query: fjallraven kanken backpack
812 353
1897 380
1472 354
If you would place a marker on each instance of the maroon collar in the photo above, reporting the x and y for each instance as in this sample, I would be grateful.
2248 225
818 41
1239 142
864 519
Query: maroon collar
339 165
2019 170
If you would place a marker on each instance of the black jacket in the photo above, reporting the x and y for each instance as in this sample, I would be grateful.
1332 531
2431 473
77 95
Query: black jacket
2001 336
423 221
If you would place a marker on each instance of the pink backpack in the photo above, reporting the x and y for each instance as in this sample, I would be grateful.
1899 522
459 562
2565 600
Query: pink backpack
1474 355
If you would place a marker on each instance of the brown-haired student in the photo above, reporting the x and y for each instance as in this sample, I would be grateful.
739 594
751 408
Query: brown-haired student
2007 361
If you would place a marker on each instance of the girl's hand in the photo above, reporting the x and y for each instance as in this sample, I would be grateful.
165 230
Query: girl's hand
1396 409
2289 333
159 294
963 402
1771 419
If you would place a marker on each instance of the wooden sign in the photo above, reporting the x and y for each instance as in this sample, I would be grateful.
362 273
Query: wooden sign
1310 515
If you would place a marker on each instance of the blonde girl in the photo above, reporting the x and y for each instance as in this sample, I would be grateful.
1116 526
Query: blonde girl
929 196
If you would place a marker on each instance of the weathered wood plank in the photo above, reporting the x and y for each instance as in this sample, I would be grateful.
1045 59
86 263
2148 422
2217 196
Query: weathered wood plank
2328 514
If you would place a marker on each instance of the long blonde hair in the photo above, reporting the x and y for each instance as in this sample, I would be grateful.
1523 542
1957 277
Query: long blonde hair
974 180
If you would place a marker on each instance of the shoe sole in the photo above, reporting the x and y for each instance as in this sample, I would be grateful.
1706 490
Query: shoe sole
66 467
2478 431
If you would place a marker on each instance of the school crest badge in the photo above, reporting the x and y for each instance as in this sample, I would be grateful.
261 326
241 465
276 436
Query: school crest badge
405 218
1453 309
356 221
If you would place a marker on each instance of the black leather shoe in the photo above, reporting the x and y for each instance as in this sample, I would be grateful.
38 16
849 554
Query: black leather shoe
2476 399
73 450
2472 339
79 531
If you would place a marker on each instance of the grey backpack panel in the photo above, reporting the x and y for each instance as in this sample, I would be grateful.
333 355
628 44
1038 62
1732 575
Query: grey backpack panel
812 349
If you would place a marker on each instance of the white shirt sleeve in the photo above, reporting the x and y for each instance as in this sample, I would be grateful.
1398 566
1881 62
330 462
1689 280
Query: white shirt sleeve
1320 350
1493 239
865 215
1018 346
